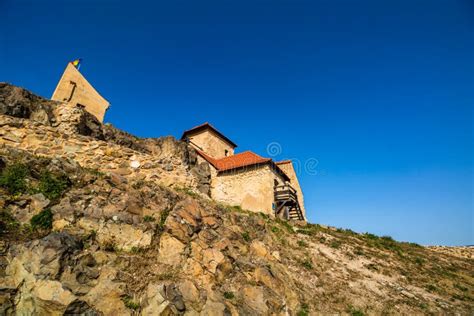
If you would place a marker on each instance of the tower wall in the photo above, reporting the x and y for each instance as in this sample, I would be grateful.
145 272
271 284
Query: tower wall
74 88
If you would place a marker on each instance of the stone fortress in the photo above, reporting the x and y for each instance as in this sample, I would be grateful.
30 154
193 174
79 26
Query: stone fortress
204 160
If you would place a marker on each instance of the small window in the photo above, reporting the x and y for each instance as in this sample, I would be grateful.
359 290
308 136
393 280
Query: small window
226 153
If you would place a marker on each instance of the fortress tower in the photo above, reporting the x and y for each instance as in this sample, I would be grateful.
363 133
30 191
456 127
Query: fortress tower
74 88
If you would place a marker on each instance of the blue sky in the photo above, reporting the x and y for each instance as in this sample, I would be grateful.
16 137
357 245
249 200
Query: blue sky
379 92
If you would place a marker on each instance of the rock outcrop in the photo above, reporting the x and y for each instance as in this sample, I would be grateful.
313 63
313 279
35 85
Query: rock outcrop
104 223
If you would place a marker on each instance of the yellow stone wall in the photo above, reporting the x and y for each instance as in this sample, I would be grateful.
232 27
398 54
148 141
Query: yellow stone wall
251 188
290 172
211 144
83 94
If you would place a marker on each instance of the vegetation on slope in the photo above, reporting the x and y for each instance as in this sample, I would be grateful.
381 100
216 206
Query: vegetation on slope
231 260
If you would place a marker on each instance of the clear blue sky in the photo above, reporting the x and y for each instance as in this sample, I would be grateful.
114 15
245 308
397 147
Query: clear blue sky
379 92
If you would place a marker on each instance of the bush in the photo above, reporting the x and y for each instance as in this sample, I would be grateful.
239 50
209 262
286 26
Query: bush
51 186
228 295
307 264
43 220
354 311
163 217
130 303
13 178
7 222
302 244
246 236
335 243
304 310
148 218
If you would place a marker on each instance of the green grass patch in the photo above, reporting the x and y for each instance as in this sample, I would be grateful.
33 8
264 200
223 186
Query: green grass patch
307 264
148 218
52 186
187 191
13 179
246 236
335 243
304 310
354 311
42 220
163 216
130 303
302 244
8 223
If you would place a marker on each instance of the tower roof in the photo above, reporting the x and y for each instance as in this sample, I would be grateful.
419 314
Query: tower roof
204 127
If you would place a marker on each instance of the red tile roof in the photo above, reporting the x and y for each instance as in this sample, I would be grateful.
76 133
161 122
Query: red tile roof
205 126
244 159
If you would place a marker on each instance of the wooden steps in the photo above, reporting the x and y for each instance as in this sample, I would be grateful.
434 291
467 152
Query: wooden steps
287 205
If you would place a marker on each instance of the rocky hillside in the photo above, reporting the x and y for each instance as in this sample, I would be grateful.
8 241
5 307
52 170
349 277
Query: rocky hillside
94 221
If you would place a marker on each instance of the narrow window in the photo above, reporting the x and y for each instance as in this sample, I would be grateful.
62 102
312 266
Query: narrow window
226 153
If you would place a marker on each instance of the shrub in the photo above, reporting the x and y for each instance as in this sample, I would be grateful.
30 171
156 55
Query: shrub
188 191
275 229
358 251
371 236
335 243
7 222
51 186
387 238
286 224
460 287
302 244
229 295
419 261
246 236
304 310
13 178
148 218
136 249
130 303
163 217
354 311
42 220
431 288
307 264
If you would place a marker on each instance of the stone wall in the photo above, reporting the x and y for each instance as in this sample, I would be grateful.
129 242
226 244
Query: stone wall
251 188
75 89
211 144
165 165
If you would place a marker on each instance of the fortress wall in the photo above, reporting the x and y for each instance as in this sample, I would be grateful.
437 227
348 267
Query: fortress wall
83 93
251 188
290 172
211 144
165 168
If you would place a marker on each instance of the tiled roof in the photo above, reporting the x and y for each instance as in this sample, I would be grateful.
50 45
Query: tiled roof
245 159
283 162
205 126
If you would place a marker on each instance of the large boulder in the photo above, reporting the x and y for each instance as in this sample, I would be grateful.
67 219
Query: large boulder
18 102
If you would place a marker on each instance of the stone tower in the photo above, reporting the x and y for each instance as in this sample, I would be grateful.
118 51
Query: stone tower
74 88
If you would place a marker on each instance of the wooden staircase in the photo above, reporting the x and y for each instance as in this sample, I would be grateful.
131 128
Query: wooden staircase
287 205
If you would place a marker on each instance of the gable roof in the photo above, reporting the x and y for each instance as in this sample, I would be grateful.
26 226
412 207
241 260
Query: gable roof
203 127
244 159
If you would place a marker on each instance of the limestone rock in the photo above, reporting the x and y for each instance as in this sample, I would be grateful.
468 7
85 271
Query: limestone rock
155 303
171 250
212 258
255 299
51 298
259 249
123 236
